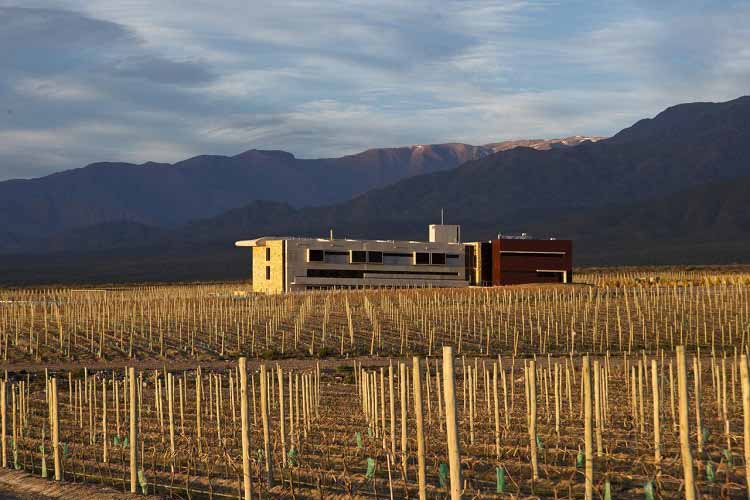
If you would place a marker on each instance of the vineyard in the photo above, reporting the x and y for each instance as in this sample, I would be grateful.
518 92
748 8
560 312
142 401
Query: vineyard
622 385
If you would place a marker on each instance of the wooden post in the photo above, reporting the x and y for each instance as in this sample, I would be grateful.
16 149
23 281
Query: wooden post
198 409
698 397
4 421
657 426
598 409
382 404
532 419
132 406
402 392
105 444
280 374
392 408
745 379
170 407
497 410
245 431
56 432
587 427
451 421
266 428
418 410
685 454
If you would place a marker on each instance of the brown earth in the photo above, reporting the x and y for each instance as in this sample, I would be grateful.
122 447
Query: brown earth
23 486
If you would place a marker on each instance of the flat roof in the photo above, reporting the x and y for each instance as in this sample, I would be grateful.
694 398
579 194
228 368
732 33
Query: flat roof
261 241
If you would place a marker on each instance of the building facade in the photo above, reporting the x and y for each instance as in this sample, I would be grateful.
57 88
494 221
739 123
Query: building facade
286 264
513 261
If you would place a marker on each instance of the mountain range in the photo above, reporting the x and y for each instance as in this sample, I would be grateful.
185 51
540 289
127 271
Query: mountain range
168 195
670 189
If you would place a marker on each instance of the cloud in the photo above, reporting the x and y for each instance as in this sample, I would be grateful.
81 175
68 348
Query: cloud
57 89
160 70
101 80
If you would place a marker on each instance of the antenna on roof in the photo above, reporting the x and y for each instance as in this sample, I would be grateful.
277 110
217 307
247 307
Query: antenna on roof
330 235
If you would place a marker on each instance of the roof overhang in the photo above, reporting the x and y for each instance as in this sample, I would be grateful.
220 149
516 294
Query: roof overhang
257 242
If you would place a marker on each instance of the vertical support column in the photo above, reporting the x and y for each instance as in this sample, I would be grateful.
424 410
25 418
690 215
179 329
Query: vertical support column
132 406
245 431
685 454
418 413
451 423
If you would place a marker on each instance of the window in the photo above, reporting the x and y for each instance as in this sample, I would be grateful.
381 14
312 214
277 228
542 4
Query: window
268 253
360 274
398 258
359 257
268 272
421 258
438 259
336 257
375 257
315 255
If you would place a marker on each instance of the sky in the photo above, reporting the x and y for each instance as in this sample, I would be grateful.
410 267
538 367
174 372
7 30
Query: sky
134 80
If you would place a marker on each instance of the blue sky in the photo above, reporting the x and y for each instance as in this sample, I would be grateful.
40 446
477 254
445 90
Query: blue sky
135 80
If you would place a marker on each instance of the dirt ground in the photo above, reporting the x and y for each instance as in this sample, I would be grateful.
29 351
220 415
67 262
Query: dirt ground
22 486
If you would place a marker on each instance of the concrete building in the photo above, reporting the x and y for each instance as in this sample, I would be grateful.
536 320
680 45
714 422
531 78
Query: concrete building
286 264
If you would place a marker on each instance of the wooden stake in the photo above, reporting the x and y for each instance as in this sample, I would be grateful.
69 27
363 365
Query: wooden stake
657 426
266 427
280 373
56 432
418 410
133 407
451 421
245 431
588 427
392 408
532 419
685 454
3 421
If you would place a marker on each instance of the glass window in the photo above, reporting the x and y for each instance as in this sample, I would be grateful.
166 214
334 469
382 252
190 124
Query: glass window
268 272
398 258
421 258
438 259
315 255
375 257
268 253
336 257
359 256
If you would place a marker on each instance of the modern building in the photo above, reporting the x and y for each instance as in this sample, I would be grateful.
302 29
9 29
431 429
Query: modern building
517 260
286 264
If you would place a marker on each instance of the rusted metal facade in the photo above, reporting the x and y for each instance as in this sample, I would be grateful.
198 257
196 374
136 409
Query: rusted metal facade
517 261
